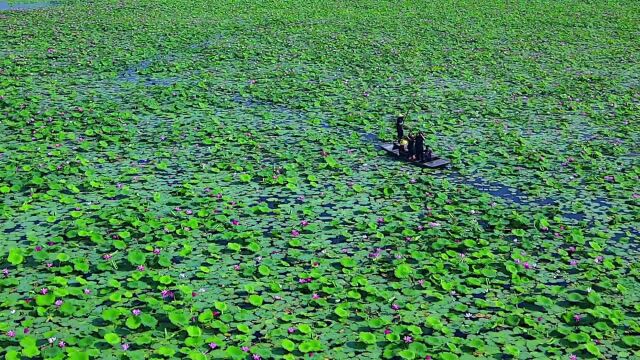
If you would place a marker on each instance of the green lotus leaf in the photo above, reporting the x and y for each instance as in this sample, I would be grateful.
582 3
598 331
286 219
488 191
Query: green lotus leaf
133 322
179 317
367 338
165 351
194 331
45 300
342 312
136 257
112 338
288 345
310 346
148 320
407 354
255 300
15 256
304 328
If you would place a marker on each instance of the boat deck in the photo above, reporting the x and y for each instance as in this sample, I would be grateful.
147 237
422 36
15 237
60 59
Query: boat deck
436 162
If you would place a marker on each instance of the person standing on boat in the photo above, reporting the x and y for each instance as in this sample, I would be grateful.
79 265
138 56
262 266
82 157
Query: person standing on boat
399 127
419 147
403 146
411 152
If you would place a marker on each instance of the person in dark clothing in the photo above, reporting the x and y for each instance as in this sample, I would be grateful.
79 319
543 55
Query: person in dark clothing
428 154
419 147
399 127
411 152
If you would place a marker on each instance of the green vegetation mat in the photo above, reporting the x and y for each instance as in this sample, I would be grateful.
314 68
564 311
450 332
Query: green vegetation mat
201 180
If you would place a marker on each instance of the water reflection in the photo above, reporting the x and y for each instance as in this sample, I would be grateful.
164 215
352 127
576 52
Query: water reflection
31 5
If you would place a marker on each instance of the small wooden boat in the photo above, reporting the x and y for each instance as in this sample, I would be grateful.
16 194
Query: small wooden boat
435 162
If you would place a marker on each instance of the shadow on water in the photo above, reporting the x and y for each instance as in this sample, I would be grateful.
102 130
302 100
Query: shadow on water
35 5
499 190
131 74
575 216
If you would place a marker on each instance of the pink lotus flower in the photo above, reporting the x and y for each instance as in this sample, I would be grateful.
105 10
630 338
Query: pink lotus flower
156 251
26 330
235 222
304 223
141 268
599 259
44 291
395 306
11 333
38 248
573 357
295 233
387 331
256 357
87 291
434 224
407 339
245 349
106 256
125 346
213 345
236 267
62 344
577 317
573 262
136 312
380 221
58 303
527 265
315 296
376 254
5 272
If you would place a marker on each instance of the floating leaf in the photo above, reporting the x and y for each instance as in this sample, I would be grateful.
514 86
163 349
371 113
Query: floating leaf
367 338
112 338
255 300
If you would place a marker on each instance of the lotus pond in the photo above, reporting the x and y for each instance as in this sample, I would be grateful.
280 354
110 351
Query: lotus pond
201 180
